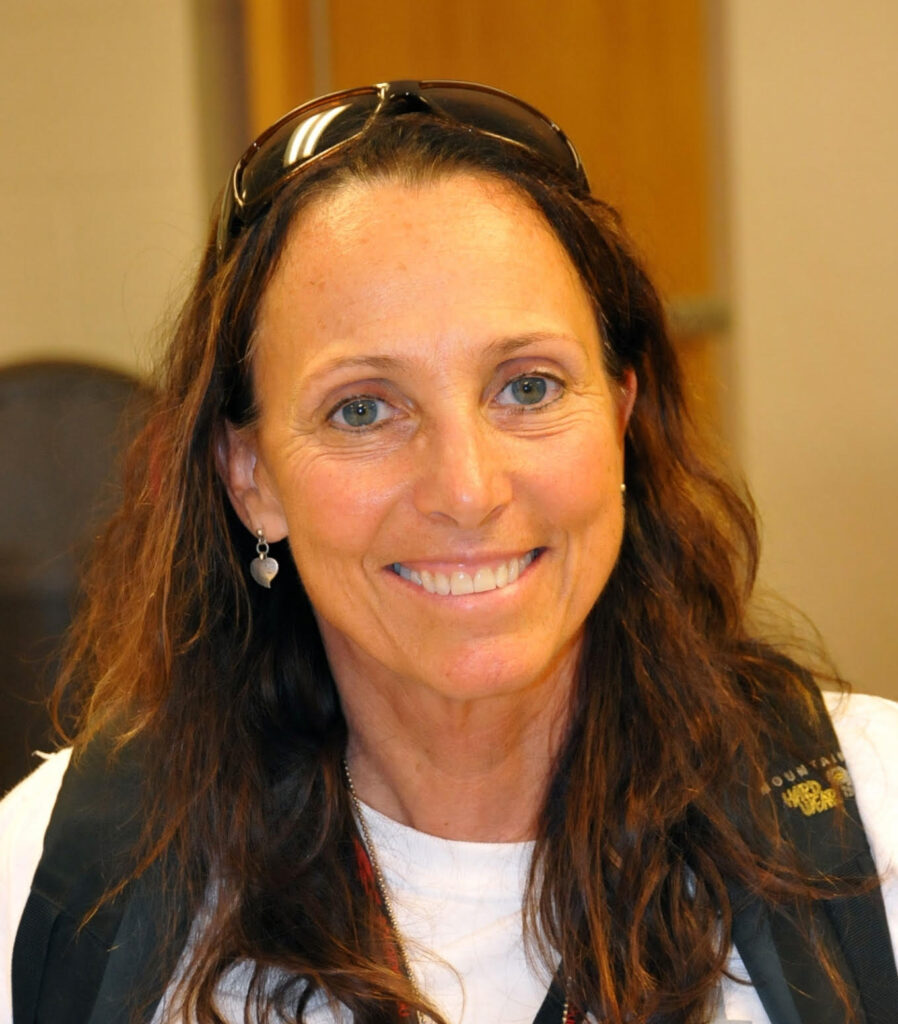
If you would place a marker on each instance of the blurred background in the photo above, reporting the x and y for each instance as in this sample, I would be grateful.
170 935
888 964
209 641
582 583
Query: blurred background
752 146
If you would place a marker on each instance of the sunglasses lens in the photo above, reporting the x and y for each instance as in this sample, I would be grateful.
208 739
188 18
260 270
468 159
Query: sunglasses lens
297 139
507 118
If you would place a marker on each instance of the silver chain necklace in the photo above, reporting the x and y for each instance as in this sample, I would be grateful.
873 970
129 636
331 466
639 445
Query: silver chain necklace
382 887
381 883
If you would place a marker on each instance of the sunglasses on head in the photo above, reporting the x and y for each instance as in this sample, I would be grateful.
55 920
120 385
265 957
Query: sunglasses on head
320 127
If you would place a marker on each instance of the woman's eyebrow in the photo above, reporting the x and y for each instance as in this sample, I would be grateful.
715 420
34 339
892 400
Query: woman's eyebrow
499 348
373 362
507 346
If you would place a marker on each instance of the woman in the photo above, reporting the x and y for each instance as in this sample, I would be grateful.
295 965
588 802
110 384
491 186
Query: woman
487 735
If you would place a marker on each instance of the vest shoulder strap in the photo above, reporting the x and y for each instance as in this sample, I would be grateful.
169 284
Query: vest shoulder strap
75 960
783 961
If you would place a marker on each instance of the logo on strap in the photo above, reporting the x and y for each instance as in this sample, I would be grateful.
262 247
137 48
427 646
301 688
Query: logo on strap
799 790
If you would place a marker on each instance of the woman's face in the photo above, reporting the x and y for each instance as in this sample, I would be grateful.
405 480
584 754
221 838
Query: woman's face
436 436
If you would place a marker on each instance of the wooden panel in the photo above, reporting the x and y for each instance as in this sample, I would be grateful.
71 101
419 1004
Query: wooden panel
279 68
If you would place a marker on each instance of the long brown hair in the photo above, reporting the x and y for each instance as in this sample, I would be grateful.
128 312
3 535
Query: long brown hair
227 693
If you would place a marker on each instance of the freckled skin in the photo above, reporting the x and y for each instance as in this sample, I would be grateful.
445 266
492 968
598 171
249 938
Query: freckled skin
430 300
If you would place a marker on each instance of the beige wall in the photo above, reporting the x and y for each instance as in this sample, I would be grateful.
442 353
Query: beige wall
812 111
101 174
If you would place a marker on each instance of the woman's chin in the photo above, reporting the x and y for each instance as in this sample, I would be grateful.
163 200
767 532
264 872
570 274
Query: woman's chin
510 669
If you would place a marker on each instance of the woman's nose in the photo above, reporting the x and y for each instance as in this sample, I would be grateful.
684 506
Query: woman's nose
464 475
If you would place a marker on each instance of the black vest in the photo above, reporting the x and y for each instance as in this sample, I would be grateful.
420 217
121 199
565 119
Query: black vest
68 973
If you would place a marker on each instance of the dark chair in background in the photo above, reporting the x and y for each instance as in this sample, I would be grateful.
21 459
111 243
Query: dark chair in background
63 427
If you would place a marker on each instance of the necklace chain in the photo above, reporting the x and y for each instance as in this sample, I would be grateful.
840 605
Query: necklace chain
384 891
381 883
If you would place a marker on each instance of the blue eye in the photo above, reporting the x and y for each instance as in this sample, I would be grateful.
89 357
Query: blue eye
531 389
360 412
528 390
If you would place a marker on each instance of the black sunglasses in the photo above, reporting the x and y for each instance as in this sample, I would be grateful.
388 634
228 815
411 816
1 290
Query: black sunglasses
321 126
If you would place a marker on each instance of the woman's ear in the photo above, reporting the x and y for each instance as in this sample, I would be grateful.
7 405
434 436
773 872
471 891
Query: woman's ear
248 484
626 398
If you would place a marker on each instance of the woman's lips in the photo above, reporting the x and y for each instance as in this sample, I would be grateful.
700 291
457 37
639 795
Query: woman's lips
459 582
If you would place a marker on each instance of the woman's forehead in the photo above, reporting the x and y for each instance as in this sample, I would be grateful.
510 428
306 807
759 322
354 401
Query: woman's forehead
385 213
464 250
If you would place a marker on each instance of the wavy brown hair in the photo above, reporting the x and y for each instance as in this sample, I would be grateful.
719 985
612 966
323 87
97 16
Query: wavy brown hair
226 692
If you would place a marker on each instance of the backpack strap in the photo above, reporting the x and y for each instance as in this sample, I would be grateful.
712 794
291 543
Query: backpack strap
71 966
773 940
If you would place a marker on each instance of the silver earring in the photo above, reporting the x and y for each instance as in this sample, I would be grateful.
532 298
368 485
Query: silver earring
264 568
623 488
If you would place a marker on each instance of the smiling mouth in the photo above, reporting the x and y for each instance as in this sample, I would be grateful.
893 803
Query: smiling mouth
459 582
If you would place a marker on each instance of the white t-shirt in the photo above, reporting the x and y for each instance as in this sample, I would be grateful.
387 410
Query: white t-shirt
459 903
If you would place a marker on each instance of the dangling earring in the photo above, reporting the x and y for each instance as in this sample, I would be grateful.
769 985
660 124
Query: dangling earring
264 568
623 489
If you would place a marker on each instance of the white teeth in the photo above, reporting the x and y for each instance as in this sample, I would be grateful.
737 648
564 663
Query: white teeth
484 579
460 583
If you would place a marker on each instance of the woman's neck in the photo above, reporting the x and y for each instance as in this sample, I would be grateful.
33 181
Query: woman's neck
473 770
